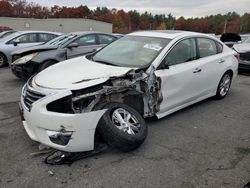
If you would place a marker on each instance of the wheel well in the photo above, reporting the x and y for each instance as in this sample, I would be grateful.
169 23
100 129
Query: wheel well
130 98
230 72
4 55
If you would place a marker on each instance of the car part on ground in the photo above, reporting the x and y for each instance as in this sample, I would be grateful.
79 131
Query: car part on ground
61 157
143 74
23 39
62 48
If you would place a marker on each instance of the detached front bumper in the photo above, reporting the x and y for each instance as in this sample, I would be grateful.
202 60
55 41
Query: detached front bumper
39 123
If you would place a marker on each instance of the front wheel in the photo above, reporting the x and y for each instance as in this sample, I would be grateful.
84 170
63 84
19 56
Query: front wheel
3 60
122 127
224 85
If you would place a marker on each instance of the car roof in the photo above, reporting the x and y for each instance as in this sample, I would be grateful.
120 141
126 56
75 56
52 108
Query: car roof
169 34
33 31
88 32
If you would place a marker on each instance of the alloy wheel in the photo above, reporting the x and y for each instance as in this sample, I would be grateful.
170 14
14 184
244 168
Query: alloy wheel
125 121
225 85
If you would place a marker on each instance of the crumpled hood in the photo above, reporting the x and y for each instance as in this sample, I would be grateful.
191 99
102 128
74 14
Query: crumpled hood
77 73
36 48
244 47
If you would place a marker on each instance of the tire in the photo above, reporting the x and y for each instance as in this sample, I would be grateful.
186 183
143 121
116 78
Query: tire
224 86
45 65
124 138
3 60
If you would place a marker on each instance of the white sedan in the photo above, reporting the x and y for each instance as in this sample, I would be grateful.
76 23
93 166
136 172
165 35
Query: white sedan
143 74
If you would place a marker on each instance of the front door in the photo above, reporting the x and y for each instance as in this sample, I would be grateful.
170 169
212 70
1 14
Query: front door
181 79
86 44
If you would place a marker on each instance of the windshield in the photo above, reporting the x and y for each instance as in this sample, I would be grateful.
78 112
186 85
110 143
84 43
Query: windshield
58 41
132 51
9 37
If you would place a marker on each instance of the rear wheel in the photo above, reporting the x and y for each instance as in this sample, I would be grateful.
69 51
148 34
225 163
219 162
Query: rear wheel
3 60
224 85
46 64
122 127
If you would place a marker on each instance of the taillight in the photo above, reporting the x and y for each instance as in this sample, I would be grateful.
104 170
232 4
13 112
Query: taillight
237 56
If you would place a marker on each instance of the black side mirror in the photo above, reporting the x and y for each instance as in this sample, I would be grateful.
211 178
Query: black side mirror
73 45
16 42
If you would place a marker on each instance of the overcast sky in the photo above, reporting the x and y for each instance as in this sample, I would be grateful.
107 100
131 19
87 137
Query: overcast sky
187 8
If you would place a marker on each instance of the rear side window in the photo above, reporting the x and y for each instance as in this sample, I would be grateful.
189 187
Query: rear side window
45 37
220 47
105 39
183 52
25 38
206 47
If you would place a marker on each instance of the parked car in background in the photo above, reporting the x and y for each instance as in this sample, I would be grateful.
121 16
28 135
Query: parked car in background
6 33
31 60
230 39
244 50
21 39
143 74
244 37
119 35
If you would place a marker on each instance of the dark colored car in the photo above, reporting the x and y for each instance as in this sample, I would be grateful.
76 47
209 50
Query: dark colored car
29 61
230 39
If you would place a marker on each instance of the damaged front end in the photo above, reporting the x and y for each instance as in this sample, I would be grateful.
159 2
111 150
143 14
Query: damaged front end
137 89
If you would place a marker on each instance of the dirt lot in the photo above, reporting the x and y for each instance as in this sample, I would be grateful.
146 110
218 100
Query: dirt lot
205 145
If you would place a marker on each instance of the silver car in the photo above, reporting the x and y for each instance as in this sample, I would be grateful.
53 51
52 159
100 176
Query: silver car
20 40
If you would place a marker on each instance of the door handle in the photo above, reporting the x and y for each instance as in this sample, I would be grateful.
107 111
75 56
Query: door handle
197 70
221 61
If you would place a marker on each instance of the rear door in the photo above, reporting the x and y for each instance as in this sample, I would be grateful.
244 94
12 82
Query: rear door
86 44
211 63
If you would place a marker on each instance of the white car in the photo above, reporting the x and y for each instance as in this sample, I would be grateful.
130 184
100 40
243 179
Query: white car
244 51
143 74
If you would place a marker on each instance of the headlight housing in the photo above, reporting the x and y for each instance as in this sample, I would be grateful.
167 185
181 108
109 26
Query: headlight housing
25 59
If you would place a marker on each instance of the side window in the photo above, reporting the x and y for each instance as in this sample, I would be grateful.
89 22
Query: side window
207 47
45 37
105 39
220 47
86 40
25 38
183 52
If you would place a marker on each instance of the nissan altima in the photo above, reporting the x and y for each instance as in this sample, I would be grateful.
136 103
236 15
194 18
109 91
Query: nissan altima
109 93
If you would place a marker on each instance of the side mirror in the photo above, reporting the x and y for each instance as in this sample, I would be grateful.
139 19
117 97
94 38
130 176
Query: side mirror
73 45
16 42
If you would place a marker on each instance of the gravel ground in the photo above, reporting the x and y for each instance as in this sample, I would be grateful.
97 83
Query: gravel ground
205 145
